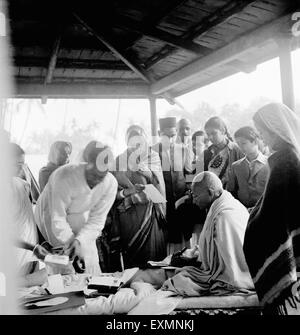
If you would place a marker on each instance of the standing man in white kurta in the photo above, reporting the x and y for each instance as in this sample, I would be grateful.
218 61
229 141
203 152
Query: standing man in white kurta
72 209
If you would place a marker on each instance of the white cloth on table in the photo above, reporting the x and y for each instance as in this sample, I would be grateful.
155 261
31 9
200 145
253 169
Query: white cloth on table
68 208
158 303
120 303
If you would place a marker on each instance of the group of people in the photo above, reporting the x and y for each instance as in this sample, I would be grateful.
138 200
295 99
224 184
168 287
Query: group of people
229 223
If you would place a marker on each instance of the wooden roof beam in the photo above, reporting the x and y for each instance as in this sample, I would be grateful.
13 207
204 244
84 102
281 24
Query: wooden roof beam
161 14
162 36
66 63
80 90
153 19
242 66
125 58
223 55
53 60
219 16
159 56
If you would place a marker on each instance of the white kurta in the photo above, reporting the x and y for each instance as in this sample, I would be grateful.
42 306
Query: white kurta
24 223
68 208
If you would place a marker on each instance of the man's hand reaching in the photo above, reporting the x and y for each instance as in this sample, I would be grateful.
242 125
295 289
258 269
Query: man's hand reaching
73 250
40 252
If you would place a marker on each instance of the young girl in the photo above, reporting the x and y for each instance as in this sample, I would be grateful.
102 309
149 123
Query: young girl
248 175
219 156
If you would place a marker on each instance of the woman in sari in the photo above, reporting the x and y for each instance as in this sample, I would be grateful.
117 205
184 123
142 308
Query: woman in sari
141 223
59 154
219 156
272 239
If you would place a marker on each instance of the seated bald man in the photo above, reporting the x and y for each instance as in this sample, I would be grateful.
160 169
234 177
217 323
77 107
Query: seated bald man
221 268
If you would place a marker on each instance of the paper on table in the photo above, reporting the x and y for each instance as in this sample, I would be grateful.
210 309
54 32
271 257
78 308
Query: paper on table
56 284
153 194
49 302
57 259
105 281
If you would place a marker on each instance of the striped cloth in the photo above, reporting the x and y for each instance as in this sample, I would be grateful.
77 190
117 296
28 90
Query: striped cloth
272 239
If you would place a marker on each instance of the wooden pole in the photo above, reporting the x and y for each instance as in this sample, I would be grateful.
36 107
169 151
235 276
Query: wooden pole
153 115
52 61
286 72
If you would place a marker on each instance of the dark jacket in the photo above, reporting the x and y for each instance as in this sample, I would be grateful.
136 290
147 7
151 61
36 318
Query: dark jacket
248 185
176 187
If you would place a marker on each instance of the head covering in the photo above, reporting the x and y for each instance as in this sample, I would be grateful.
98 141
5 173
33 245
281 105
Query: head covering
55 150
167 122
282 121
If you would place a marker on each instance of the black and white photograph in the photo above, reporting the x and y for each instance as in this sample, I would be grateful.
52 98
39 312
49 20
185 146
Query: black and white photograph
150 161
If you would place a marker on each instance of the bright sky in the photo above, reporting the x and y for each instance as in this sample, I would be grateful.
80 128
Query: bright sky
241 88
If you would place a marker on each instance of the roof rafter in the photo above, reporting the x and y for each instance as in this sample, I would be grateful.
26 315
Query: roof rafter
222 56
158 16
122 55
219 16
66 63
161 35
53 60
77 90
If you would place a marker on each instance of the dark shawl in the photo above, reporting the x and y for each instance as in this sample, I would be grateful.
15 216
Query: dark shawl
45 173
272 239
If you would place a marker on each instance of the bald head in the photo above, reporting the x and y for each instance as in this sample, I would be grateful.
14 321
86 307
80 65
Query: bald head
208 180
206 188
184 128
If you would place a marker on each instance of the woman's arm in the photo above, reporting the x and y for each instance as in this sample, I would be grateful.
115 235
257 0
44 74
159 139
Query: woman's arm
126 192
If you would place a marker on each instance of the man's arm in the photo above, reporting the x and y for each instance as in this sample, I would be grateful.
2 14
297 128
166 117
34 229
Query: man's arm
39 251
24 245
60 200
97 217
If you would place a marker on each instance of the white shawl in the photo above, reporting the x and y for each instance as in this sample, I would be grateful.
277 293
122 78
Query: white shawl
223 267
